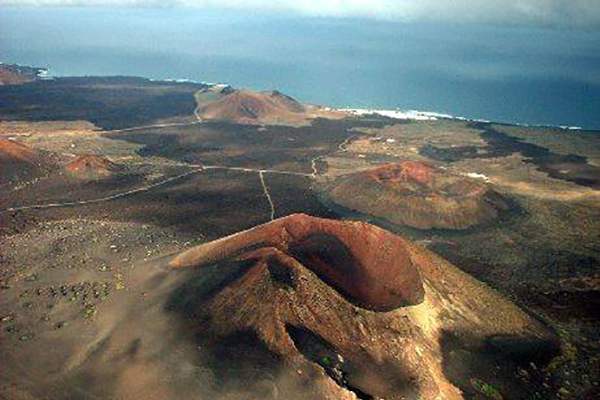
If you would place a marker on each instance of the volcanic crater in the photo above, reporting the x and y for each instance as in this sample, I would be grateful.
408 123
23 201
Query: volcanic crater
418 195
341 254
368 312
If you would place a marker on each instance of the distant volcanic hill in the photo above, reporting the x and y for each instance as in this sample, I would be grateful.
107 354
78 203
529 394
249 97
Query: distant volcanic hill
19 160
418 195
13 74
257 108
11 78
353 311
91 166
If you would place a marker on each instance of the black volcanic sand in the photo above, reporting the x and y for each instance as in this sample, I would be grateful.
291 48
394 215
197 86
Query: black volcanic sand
293 194
570 167
275 147
211 203
110 102
63 187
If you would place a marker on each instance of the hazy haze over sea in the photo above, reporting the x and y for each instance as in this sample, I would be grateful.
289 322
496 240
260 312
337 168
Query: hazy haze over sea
510 74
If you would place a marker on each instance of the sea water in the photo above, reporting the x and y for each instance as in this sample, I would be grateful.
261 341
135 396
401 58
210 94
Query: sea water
507 74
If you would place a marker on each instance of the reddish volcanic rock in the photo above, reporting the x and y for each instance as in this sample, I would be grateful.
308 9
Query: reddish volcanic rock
408 171
18 159
418 195
15 152
246 107
259 315
11 74
258 108
366 264
277 287
91 166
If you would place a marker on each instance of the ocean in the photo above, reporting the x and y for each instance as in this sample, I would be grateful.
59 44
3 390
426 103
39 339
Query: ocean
538 76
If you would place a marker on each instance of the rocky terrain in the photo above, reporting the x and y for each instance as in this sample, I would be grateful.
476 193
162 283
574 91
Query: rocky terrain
8 77
418 195
301 284
271 313
107 102
155 254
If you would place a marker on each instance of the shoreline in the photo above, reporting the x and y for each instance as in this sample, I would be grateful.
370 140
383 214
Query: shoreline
396 113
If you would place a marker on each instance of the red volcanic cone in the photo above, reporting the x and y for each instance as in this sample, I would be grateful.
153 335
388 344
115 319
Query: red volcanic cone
368 265
418 195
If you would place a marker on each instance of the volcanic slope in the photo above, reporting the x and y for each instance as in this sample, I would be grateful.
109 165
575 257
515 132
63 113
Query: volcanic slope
303 285
259 108
299 308
418 195
17 160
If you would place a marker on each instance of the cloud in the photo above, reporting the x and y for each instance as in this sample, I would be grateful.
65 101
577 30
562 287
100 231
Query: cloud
555 13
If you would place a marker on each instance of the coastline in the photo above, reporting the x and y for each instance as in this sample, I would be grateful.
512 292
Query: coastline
44 73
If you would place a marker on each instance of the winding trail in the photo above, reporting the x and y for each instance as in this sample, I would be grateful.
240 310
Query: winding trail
342 146
196 169
103 199
266 190
271 171
313 165
136 128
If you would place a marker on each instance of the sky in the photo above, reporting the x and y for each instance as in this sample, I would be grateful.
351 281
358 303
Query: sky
580 14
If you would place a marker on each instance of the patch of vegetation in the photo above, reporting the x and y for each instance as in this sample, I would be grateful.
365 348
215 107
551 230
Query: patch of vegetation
90 311
326 361
486 389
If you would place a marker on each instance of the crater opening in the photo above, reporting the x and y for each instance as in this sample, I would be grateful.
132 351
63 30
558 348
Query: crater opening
329 258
